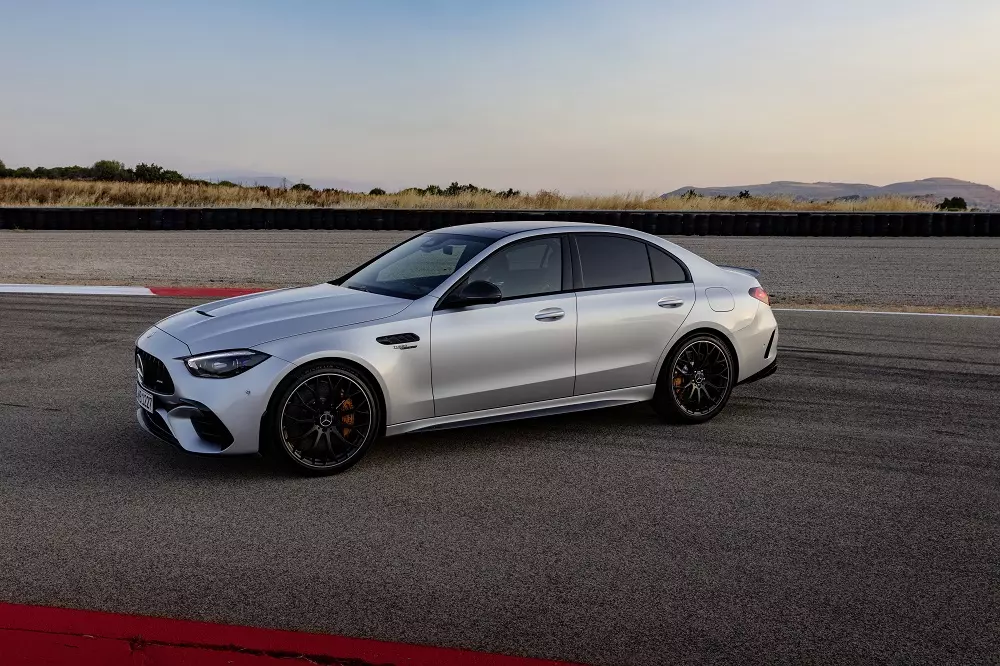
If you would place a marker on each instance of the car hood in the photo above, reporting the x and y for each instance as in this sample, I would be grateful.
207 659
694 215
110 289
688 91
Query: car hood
247 321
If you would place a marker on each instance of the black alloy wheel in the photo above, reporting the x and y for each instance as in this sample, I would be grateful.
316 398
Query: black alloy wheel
697 380
327 418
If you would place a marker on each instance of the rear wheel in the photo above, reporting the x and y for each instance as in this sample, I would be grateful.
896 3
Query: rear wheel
325 419
696 380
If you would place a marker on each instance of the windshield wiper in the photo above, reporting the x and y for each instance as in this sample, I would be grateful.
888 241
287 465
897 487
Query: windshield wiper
358 288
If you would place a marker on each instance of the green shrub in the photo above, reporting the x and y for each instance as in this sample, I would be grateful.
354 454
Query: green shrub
110 170
954 203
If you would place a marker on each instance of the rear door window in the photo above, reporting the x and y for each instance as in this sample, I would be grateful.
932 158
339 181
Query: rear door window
612 261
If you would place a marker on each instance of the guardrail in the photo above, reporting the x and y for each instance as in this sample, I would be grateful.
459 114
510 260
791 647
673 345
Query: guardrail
690 223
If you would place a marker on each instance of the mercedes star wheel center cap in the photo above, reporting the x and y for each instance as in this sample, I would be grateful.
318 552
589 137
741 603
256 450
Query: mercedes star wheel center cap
326 420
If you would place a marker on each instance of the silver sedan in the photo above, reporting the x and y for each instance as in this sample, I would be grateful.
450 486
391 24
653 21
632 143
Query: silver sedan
459 326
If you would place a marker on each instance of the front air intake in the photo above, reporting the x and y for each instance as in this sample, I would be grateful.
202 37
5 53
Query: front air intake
211 429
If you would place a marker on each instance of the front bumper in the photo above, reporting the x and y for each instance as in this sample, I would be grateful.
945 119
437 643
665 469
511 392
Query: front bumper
207 416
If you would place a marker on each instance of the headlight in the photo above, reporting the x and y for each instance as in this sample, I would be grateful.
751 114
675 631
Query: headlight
224 364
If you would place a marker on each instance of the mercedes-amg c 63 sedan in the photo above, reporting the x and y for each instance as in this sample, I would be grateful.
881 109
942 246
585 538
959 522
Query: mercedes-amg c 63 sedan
458 326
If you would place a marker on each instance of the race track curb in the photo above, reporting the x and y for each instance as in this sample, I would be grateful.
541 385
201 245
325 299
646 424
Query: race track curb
32 635
88 290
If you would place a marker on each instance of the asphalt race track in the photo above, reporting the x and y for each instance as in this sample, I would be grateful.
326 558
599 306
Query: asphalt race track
847 509
875 273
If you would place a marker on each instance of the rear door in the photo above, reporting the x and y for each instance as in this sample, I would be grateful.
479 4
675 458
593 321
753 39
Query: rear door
631 299
517 351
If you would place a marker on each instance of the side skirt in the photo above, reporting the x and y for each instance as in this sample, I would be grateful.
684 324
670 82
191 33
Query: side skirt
576 403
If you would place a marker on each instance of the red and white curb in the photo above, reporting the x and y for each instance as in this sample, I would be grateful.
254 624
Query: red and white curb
32 635
89 290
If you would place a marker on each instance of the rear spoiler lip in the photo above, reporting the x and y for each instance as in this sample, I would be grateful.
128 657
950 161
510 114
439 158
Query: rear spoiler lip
752 272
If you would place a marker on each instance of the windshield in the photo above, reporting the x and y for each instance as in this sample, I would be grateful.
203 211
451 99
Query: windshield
417 266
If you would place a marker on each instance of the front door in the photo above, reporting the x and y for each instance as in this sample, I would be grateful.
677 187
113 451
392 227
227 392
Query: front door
517 351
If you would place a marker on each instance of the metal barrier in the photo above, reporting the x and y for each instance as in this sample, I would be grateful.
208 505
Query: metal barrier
690 223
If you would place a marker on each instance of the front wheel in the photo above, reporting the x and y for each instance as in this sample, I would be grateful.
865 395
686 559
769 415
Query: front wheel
325 419
696 380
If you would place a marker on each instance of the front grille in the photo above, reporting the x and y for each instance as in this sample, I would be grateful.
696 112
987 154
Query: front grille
154 374
211 429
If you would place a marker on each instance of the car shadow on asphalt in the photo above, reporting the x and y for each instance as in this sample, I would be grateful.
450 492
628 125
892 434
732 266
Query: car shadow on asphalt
102 451
513 434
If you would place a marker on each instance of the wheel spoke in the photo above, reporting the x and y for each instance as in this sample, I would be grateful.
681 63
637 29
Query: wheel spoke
307 433
334 396
343 440
306 404
328 446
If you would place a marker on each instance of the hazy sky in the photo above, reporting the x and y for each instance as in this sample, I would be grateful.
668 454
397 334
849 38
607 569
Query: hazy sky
575 95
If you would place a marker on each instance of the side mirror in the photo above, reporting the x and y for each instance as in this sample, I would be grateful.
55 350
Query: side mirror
475 293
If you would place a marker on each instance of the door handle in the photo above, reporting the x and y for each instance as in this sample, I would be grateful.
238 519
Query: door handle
550 314
670 302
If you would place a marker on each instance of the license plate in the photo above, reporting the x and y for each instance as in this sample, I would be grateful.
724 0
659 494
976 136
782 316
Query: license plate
144 398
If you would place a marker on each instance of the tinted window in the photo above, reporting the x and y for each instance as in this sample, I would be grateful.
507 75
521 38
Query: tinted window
528 268
665 267
609 261
417 266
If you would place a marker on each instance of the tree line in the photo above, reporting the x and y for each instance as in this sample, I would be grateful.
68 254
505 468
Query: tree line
116 171
102 170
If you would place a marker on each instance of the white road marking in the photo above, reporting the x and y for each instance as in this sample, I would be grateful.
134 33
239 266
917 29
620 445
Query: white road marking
82 290
880 312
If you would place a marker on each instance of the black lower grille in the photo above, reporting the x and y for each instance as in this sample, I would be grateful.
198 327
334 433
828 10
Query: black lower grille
154 375
158 427
211 429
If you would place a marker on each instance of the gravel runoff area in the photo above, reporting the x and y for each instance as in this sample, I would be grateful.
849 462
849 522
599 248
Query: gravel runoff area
843 511
958 274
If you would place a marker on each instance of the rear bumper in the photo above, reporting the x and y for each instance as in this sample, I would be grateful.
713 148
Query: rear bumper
757 345
766 372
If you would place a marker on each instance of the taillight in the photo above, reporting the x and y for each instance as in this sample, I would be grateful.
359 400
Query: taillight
760 295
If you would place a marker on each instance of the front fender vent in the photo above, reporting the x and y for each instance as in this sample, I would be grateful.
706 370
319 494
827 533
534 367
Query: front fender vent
398 339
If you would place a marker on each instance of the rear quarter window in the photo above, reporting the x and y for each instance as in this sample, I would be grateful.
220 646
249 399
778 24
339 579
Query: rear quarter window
666 269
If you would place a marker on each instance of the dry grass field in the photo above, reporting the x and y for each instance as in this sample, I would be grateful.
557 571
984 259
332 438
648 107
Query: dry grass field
39 192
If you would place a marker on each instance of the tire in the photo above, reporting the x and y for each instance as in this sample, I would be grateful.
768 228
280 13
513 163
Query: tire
681 390
324 419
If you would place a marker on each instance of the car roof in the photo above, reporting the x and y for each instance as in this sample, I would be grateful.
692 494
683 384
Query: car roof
501 229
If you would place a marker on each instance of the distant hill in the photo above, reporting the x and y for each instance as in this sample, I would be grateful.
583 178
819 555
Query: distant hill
935 189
